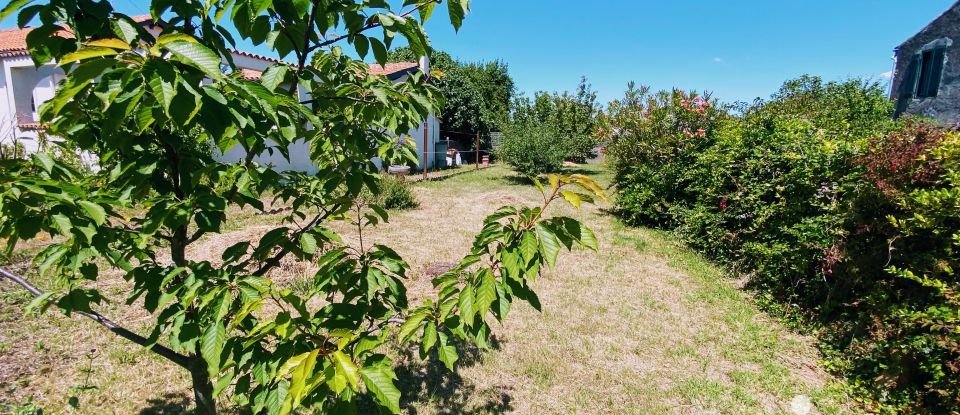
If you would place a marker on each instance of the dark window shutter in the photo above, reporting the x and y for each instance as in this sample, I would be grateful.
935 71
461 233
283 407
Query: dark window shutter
908 84
926 66
936 71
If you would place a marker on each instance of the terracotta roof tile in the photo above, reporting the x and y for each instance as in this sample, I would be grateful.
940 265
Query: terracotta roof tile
250 74
144 18
391 68
13 42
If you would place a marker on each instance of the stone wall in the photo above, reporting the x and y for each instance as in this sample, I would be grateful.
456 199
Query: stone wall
945 107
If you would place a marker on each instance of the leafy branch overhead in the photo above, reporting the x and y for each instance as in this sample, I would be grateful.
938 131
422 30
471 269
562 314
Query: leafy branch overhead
151 108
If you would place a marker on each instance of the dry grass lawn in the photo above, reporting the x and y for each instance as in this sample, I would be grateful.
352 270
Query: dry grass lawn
642 327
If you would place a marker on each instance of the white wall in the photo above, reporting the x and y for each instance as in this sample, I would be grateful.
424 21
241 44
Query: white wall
433 136
22 86
300 150
27 79
299 158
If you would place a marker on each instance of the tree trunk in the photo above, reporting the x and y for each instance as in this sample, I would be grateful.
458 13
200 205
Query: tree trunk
202 388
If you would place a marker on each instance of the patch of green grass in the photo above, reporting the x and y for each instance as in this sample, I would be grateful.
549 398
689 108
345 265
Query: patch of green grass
702 392
756 343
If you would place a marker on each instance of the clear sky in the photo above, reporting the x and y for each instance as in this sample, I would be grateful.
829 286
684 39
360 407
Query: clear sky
738 49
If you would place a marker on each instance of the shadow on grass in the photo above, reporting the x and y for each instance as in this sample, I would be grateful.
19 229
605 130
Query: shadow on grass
518 179
421 382
429 382
445 174
169 404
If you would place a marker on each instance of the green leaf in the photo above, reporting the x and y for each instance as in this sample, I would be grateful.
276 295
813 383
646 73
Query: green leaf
429 338
166 38
211 347
379 51
447 353
94 211
457 9
379 381
426 11
198 56
362 45
587 237
528 246
549 245
346 368
12 7
125 29
292 364
112 43
308 243
87 53
486 292
163 83
274 76
62 223
300 380
572 197
276 397
235 252
411 325
44 160
467 311
39 303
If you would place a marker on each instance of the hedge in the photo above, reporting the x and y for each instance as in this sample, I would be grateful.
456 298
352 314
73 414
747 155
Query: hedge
839 215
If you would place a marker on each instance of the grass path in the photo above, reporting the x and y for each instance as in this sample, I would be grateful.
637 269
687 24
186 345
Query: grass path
642 327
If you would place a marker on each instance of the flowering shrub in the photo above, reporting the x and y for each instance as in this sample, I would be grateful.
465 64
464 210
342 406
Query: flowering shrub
652 139
838 215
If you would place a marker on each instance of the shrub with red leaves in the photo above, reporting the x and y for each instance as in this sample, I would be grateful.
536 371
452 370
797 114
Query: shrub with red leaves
897 161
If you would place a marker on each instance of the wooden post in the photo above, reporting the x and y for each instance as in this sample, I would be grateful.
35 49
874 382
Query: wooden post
477 160
426 135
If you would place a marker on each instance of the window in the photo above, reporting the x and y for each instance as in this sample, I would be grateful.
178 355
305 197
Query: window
929 72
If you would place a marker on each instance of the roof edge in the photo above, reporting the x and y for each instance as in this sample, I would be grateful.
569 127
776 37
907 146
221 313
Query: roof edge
932 22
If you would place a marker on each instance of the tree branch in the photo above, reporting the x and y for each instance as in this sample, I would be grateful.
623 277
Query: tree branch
275 260
177 358
319 99
365 28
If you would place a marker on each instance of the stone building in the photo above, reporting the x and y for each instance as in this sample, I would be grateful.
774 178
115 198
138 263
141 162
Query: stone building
926 79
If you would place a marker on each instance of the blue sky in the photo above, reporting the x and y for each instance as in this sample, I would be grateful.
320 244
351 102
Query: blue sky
738 49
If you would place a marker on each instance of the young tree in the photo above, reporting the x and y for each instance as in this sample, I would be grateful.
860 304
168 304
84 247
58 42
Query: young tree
149 109
571 118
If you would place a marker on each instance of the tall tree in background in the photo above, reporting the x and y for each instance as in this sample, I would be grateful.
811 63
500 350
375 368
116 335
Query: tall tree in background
477 95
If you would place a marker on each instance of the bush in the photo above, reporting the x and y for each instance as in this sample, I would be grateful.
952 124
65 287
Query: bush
839 216
531 148
568 120
912 336
652 139
394 193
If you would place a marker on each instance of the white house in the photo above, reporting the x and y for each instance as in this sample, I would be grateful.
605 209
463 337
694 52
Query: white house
426 136
24 87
